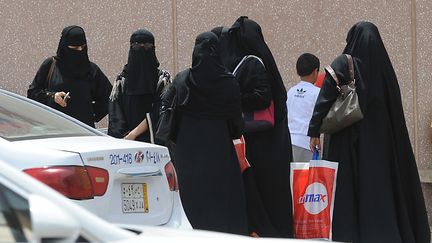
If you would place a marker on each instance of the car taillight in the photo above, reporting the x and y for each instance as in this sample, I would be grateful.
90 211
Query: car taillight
171 176
99 178
75 182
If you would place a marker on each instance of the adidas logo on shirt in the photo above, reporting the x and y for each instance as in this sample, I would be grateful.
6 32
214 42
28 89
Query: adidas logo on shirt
300 93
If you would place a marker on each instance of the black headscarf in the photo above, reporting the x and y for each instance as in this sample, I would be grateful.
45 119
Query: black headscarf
73 63
141 71
214 93
364 42
245 38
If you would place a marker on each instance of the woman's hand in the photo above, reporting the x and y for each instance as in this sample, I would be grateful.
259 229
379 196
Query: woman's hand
59 98
315 143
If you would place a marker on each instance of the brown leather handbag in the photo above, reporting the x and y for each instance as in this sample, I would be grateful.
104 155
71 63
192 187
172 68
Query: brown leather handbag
345 111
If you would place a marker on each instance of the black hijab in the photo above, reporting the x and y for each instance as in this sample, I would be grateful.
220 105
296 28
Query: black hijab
376 73
141 71
214 93
73 63
245 38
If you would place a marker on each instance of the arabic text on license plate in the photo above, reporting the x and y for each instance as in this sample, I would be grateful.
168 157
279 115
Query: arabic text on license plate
134 198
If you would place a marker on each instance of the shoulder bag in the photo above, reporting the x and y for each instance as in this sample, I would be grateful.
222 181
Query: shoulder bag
345 111
259 120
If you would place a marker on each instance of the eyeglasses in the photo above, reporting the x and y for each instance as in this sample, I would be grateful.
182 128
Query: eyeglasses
78 48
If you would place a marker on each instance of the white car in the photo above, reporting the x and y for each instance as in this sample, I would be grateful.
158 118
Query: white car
122 181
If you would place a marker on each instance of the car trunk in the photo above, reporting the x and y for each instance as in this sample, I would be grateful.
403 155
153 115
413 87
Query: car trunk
137 191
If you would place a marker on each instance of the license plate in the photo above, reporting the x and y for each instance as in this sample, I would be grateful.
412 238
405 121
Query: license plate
134 197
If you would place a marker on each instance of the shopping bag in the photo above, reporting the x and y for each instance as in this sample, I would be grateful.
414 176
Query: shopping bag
313 186
240 148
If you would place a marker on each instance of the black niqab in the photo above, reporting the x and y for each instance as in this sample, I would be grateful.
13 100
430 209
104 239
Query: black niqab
245 38
73 63
141 71
214 93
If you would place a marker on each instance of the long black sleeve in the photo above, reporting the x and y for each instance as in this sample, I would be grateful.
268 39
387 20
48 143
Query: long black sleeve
101 94
38 89
325 100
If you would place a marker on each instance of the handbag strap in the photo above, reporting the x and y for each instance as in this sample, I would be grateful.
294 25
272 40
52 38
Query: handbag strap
244 59
350 69
350 66
50 72
333 74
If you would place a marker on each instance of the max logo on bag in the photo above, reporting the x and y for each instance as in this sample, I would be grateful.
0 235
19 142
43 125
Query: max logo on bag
315 199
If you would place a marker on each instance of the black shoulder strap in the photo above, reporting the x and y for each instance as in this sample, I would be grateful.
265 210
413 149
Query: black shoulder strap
50 72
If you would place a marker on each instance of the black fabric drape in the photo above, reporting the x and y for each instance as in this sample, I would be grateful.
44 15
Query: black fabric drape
269 152
378 195
139 87
247 39
214 93
88 86
205 159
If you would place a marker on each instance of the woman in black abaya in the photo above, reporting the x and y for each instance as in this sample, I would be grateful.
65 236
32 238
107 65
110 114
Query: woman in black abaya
208 111
269 152
378 194
72 73
135 98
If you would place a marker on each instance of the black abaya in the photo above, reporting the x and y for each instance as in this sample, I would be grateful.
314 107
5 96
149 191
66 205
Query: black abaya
269 152
378 194
87 85
89 96
208 106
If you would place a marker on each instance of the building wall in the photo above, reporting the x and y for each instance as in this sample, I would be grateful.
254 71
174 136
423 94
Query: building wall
30 31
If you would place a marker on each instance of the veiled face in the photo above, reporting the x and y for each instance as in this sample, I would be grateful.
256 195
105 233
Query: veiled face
77 48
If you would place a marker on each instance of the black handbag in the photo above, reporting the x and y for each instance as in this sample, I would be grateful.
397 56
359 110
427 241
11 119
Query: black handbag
345 111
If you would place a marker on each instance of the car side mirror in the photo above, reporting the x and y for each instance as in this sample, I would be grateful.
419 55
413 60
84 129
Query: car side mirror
50 222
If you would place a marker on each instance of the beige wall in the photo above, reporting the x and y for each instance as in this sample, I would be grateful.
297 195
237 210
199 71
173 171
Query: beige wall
30 31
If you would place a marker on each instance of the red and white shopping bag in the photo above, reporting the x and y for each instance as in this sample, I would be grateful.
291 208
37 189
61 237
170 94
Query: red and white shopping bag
313 186
240 148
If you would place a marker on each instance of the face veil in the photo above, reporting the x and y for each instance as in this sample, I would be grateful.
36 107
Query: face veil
73 63
142 67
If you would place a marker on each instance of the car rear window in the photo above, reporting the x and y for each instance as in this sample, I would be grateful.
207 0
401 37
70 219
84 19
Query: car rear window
22 120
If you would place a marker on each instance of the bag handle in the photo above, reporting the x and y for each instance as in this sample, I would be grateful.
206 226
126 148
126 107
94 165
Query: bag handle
316 154
244 59
50 72
333 74
350 66
350 69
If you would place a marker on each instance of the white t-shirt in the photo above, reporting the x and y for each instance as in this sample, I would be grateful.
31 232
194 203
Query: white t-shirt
300 103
